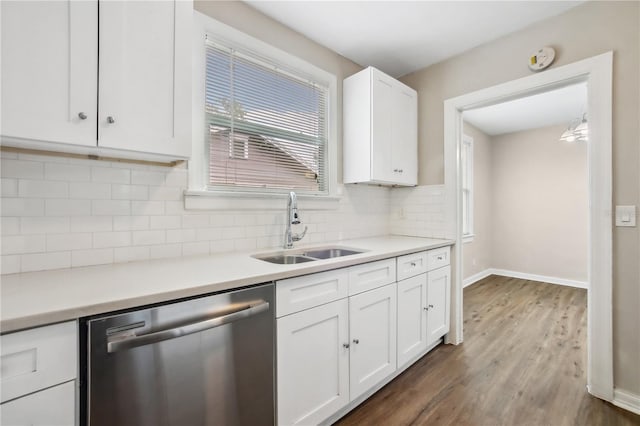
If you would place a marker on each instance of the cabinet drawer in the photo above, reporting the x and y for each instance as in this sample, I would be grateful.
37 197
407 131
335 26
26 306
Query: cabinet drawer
411 265
371 275
36 359
299 293
55 406
437 258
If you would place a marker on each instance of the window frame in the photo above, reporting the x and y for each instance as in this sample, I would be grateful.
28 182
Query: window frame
198 164
466 186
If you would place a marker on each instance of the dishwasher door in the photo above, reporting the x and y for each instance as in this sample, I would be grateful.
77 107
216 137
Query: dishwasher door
204 361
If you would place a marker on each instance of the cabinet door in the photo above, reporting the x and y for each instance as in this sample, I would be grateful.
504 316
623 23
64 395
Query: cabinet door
49 69
405 135
55 406
145 76
438 291
382 104
372 330
412 318
313 381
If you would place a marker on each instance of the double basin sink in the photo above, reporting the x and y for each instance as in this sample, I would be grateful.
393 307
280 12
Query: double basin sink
306 255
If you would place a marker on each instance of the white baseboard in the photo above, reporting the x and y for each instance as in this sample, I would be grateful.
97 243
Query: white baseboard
476 277
627 400
522 275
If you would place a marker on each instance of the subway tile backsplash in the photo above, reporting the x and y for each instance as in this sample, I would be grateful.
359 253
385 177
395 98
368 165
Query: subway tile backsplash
60 212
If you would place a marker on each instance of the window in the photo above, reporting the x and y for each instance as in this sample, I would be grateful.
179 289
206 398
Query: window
266 124
466 167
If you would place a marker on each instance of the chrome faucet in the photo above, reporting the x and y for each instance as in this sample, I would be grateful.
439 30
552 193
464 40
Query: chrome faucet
292 219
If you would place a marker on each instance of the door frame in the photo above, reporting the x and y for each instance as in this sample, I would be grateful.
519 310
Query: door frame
597 73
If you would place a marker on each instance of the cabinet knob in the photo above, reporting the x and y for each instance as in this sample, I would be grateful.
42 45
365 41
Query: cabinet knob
395 170
346 345
431 306
413 264
439 257
425 308
110 120
82 116
356 341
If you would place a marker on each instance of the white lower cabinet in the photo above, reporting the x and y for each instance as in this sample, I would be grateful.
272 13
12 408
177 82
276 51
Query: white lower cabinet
50 407
38 375
438 296
412 318
313 363
335 346
372 331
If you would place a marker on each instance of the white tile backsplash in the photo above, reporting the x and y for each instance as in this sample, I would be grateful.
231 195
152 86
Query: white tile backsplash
61 212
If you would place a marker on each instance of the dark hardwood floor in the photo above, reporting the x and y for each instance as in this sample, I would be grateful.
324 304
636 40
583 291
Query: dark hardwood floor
522 362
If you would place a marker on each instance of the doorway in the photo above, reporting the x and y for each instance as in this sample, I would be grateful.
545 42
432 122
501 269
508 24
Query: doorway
597 73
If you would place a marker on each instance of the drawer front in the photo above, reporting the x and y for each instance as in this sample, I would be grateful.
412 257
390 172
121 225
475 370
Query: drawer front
299 293
411 265
38 358
371 275
438 258
55 406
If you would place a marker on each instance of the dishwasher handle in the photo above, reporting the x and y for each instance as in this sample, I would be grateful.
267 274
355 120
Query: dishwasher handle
118 343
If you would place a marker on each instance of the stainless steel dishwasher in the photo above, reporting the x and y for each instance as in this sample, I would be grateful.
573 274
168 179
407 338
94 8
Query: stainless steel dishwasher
203 361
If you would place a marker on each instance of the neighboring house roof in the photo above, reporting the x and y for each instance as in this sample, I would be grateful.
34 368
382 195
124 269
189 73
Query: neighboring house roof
289 148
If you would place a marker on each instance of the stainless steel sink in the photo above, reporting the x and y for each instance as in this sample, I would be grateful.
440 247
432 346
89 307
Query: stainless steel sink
286 259
330 253
306 255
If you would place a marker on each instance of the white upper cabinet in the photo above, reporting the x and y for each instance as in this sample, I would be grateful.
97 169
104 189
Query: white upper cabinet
49 71
380 122
145 76
107 78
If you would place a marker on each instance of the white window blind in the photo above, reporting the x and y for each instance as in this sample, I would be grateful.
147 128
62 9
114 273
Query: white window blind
266 126
466 162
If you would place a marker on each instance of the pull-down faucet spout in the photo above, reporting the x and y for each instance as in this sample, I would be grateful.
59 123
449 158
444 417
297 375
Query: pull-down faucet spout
293 218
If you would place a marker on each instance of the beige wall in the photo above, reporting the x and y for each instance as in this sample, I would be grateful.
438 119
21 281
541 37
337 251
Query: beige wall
540 204
477 255
587 30
248 20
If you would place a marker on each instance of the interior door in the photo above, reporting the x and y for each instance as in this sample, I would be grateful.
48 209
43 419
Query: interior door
372 331
49 70
145 76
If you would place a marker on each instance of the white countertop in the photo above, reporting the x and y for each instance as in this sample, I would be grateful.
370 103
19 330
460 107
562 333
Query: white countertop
38 298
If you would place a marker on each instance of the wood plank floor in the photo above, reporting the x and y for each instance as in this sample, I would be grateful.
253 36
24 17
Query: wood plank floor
522 363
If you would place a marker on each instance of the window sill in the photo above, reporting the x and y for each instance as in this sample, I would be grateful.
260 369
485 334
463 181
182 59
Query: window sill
210 200
467 238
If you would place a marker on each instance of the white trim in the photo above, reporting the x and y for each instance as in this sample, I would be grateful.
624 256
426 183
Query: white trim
210 200
597 72
627 400
476 277
204 24
541 278
524 276
468 140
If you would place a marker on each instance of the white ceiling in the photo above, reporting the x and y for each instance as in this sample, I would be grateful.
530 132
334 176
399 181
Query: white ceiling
399 37
558 106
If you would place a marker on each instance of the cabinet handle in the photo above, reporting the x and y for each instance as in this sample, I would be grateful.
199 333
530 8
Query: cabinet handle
439 257
425 308
346 345
400 170
413 264
356 341
82 116
431 306
395 170
110 120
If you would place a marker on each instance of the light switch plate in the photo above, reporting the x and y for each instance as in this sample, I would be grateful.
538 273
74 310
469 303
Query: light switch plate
625 215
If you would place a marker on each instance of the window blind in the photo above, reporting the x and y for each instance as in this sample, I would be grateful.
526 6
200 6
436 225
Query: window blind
266 126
